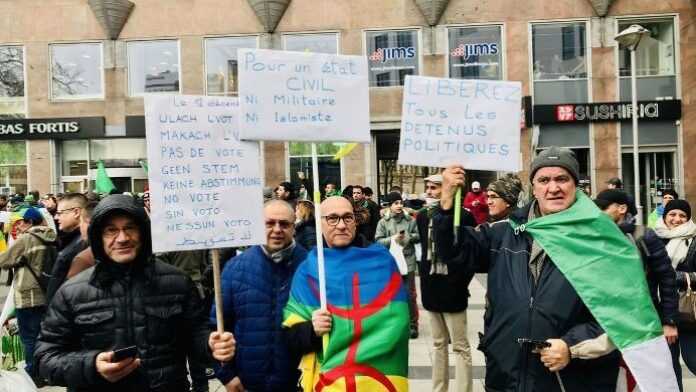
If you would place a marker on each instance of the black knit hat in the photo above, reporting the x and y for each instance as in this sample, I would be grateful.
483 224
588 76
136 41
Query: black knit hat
678 204
392 197
556 157
607 197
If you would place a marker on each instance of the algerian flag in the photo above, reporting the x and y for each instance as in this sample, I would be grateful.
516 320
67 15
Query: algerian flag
144 165
103 183
605 269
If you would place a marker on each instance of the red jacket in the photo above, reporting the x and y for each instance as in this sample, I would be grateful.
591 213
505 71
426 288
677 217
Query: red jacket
479 211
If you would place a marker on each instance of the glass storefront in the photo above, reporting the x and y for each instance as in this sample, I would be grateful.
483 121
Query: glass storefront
123 158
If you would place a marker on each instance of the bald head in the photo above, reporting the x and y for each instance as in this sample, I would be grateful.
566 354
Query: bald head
337 232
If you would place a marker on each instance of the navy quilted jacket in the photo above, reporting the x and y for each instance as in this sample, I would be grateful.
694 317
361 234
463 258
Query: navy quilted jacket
254 292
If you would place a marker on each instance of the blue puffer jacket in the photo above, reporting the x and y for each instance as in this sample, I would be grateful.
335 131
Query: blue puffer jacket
254 292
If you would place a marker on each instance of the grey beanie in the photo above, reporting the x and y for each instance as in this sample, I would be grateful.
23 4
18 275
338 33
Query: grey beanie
556 157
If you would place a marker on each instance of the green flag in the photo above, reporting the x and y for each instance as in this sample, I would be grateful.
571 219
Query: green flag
103 183
143 164
606 270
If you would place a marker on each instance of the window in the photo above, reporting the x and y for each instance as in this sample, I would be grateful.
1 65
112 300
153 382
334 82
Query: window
221 63
475 52
76 71
12 103
312 42
300 154
118 152
13 167
655 54
559 51
391 56
153 66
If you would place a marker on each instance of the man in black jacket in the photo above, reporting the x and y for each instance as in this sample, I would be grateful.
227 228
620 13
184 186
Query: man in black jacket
528 296
445 295
127 299
658 267
68 216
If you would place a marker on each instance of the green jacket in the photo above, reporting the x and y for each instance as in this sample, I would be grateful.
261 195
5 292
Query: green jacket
32 246
391 225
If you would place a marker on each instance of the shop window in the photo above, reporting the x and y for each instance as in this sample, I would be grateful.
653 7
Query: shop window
655 54
76 71
391 56
559 51
74 157
221 63
153 66
13 167
475 52
312 42
300 154
12 102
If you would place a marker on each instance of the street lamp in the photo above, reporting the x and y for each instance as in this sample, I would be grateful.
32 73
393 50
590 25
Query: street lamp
630 38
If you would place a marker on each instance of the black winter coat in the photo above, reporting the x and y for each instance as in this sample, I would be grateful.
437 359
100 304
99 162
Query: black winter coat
306 234
520 308
61 265
659 273
442 293
145 303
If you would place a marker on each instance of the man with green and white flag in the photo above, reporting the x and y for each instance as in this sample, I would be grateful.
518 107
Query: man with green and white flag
566 289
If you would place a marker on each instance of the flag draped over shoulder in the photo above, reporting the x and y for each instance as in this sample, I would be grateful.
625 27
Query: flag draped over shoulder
367 349
605 269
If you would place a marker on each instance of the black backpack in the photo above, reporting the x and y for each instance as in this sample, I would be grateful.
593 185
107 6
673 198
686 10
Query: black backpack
42 277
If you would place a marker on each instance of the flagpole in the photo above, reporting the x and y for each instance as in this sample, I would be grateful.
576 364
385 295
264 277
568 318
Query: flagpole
218 291
317 222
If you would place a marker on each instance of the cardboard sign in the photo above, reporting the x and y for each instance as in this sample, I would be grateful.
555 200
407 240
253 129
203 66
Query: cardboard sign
306 97
205 184
474 123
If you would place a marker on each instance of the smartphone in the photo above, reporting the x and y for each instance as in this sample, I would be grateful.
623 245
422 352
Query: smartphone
123 353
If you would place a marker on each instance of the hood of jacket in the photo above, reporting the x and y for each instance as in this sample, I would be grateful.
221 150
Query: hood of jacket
44 233
118 205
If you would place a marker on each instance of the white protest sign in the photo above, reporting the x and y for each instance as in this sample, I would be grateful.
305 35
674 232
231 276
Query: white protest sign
474 123
307 97
205 184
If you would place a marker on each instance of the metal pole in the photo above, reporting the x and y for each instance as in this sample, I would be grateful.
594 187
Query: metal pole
634 117
320 238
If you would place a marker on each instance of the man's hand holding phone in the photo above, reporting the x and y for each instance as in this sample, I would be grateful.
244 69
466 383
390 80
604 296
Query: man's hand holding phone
115 365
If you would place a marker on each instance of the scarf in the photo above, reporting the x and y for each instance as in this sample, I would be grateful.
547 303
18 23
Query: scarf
679 238
437 267
281 255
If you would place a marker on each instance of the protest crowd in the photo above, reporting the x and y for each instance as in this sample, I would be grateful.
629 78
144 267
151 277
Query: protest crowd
96 309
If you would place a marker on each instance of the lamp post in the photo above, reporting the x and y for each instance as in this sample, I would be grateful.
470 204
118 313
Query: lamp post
630 38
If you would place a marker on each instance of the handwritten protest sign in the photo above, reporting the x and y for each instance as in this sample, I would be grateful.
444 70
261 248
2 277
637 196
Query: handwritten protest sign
475 123
308 97
205 184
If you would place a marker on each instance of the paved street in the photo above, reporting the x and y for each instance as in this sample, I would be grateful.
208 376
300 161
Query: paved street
420 352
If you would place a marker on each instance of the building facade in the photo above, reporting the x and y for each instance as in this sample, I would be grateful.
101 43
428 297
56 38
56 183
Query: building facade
72 84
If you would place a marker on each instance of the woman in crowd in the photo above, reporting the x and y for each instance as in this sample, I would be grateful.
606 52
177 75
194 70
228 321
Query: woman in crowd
502 195
305 229
678 232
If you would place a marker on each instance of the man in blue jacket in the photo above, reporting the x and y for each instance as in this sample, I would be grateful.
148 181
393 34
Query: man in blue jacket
255 289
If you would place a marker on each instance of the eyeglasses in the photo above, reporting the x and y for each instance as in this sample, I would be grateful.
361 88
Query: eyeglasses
432 187
113 231
271 223
61 212
333 219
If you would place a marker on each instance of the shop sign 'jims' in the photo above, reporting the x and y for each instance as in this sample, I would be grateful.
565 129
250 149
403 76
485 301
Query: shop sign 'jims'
469 50
383 55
